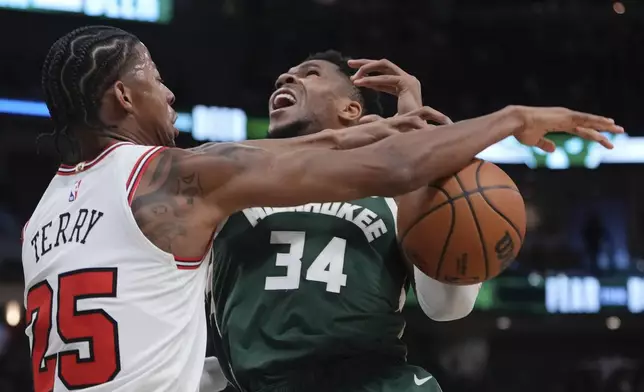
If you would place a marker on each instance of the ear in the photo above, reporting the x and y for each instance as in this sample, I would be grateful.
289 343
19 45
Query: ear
123 96
350 111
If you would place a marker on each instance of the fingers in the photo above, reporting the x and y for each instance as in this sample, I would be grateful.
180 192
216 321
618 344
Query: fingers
407 123
593 135
357 63
591 121
366 66
369 119
430 114
546 145
385 83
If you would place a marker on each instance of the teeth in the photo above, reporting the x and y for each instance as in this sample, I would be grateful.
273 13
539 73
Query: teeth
284 96
290 97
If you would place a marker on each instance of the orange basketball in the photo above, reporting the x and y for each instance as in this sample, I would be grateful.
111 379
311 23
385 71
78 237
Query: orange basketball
466 228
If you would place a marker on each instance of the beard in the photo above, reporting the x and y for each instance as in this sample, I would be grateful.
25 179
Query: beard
294 129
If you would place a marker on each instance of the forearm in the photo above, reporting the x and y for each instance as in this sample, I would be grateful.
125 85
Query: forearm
429 156
327 139
443 302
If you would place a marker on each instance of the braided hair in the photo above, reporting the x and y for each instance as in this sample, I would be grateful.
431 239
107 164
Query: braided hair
79 68
369 99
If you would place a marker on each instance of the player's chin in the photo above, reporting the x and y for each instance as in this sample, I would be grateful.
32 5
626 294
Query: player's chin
286 126
169 136
276 129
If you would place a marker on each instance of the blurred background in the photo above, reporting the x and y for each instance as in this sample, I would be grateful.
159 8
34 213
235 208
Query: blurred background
565 317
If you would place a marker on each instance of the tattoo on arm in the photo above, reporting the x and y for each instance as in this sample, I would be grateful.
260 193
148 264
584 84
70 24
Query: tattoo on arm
165 205
166 202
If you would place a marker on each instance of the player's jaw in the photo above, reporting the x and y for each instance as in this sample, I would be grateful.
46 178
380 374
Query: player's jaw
159 131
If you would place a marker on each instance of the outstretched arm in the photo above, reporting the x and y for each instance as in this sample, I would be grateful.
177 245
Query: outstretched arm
234 177
184 190
329 139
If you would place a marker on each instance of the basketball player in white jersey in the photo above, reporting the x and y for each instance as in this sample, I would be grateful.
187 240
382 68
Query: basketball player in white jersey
113 254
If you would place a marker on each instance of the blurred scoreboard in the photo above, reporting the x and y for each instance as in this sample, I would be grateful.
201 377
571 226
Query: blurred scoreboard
153 11
560 294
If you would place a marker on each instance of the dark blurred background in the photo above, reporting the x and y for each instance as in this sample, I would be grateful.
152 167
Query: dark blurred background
565 317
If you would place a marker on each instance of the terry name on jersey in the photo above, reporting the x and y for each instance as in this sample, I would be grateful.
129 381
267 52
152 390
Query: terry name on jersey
371 224
59 231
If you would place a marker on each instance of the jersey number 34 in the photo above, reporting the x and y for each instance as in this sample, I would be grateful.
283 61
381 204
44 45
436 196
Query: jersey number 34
91 328
326 268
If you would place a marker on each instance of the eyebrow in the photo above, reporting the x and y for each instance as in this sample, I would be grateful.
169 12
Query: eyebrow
304 66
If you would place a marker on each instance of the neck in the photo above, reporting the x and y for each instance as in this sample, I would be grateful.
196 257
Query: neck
90 146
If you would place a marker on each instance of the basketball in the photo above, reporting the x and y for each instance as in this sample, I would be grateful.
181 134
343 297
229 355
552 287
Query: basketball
466 228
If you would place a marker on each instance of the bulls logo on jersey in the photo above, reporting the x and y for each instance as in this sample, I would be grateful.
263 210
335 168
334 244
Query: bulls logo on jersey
73 194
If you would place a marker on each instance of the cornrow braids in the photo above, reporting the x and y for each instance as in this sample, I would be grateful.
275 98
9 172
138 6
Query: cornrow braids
370 99
78 69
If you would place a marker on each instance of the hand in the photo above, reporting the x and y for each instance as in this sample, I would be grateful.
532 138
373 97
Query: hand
392 80
426 113
374 128
539 121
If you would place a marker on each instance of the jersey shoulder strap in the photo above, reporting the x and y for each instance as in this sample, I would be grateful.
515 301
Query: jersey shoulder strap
139 160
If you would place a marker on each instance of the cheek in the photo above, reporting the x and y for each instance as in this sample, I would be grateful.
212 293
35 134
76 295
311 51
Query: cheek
321 101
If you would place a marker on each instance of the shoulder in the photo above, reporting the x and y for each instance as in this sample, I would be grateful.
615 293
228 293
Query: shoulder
189 176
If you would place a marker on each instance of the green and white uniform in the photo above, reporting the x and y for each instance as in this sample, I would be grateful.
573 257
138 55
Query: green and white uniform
308 298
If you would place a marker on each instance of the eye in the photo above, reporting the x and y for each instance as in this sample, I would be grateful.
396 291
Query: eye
312 72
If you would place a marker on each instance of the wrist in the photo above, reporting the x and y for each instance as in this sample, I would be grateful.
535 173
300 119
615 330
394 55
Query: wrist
515 119
519 116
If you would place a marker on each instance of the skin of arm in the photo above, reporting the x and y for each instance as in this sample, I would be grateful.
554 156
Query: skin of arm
236 177
329 139
184 195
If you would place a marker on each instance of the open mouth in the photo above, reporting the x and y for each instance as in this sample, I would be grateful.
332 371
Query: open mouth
283 99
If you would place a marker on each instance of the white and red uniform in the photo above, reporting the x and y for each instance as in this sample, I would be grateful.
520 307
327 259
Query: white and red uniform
106 309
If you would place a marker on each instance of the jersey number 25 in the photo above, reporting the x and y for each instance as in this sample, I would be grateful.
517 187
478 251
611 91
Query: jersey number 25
93 328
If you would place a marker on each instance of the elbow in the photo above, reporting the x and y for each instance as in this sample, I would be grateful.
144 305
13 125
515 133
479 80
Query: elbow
450 312
454 307
443 302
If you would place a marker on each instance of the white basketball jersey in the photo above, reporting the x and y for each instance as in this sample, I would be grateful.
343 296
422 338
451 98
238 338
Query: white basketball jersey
107 310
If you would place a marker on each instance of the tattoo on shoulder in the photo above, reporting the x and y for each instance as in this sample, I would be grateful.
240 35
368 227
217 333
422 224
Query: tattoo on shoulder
167 202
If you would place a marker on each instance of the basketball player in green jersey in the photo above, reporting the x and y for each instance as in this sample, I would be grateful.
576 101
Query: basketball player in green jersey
309 298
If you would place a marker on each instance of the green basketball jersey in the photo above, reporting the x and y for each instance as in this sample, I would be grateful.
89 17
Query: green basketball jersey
292 287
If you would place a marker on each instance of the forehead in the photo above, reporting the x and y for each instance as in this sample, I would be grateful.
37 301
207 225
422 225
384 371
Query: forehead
321 65
141 60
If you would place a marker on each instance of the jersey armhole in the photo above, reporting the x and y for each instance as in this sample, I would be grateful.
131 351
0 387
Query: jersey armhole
139 168
131 186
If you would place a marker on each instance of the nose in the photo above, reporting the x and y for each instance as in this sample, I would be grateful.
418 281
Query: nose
284 79
171 98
